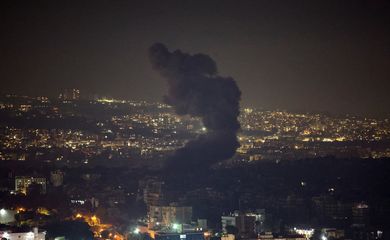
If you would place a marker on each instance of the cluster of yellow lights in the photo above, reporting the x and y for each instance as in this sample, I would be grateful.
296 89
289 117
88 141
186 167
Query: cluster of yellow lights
20 210
248 110
338 139
43 211
105 100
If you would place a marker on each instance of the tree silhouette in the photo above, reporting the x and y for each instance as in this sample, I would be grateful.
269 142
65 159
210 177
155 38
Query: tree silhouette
70 230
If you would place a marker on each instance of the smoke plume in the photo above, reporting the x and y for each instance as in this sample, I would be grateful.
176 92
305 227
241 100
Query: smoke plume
195 88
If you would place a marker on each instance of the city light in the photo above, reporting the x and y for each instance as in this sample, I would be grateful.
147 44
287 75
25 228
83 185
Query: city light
20 209
3 212
175 226
30 235
6 235
308 233
257 120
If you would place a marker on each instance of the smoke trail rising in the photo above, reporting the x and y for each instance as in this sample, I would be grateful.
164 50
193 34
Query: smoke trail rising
195 88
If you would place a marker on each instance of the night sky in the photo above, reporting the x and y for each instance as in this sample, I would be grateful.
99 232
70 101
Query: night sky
329 56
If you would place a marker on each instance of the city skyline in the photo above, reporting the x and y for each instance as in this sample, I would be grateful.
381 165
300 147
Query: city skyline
101 166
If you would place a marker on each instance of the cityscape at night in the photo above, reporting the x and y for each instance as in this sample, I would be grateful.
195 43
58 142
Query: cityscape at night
195 120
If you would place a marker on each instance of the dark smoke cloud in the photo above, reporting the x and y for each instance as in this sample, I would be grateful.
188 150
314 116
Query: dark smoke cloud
196 89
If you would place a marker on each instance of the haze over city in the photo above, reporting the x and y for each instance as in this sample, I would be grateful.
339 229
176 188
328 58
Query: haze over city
330 56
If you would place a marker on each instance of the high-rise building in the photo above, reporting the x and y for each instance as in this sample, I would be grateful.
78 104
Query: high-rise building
152 191
22 183
245 223
168 216
360 215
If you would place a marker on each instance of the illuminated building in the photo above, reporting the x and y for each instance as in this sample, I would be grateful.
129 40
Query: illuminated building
202 224
245 223
178 236
7 216
271 236
25 107
152 191
308 233
33 235
23 182
333 233
170 215
360 215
